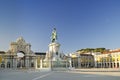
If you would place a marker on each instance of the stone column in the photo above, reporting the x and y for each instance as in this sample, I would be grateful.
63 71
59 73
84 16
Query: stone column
21 62
101 64
8 59
106 64
41 63
27 62
14 62
109 64
30 61
116 62
5 62
88 63
5 65
49 63
116 65
35 62
79 63
113 64
70 62
95 62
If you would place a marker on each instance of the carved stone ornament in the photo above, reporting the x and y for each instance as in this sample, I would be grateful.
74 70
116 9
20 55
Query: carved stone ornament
20 45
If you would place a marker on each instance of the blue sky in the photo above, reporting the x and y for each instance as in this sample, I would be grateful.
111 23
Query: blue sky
79 23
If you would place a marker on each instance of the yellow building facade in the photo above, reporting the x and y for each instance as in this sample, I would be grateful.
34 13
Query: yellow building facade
82 60
110 59
107 60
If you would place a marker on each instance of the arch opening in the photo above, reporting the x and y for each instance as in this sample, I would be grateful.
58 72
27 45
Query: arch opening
20 59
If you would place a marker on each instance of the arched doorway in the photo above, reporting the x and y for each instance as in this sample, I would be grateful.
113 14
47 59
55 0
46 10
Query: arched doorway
3 64
20 59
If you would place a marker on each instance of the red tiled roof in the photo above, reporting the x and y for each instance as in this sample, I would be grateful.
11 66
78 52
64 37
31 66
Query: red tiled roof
109 52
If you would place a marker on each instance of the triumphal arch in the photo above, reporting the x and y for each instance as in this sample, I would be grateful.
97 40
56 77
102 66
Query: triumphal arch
25 60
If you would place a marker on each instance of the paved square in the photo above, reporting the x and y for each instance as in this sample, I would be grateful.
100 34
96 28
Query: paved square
57 75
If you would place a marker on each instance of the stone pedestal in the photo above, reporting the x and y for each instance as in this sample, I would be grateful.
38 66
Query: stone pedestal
54 51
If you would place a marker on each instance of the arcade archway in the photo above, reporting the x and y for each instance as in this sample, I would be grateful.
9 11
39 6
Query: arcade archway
20 59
